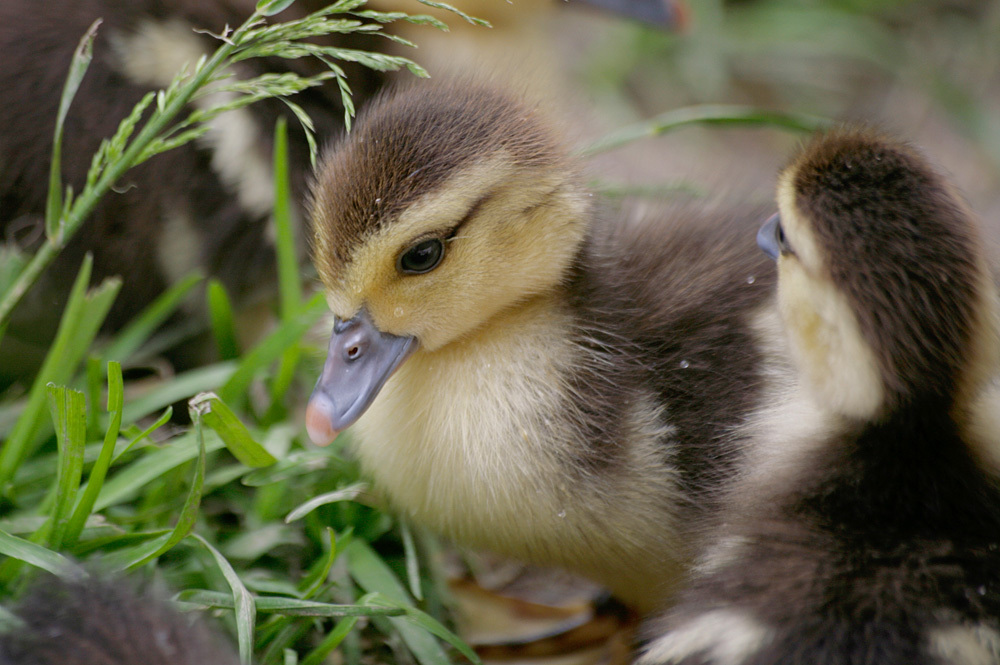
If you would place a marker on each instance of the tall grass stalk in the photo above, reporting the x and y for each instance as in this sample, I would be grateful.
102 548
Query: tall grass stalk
162 130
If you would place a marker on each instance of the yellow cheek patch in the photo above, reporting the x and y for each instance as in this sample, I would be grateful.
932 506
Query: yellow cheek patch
527 226
827 343
799 235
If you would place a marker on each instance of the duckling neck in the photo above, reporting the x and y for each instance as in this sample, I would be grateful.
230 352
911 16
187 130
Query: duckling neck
911 474
474 416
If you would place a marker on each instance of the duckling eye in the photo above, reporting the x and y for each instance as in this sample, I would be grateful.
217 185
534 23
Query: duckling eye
422 257
783 241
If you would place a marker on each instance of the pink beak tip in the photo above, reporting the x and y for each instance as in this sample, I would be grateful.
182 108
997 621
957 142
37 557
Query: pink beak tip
319 427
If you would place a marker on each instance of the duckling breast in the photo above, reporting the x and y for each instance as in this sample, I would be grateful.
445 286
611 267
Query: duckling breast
482 441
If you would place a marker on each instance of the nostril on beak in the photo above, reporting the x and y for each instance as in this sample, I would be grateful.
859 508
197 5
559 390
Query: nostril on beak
355 350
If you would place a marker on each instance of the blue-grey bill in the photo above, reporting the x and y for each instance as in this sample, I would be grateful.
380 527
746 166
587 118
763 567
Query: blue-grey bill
665 13
767 237
360 359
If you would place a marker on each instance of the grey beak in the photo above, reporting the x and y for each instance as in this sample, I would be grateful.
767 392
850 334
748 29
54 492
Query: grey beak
664 13
767 237
361 358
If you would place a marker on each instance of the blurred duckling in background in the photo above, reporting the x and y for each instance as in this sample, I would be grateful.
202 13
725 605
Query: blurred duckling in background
877 542
204 206
526 37
530 375
106 621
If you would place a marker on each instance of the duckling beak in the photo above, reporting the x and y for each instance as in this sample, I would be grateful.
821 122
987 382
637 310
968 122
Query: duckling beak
665 13
360 360
767 237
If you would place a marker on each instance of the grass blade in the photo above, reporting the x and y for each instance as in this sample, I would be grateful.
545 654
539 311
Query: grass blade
427 623
181 387
131 338
289 283
12 262
332 640
35 555
271 348
288 606
243 602
412 564
373 575
220 315
272 7
55 221
140 473
214 413
139 436
316 578
98 304
69 413
83 316
345 494
55 369
116 401
185 521
297 464
706 114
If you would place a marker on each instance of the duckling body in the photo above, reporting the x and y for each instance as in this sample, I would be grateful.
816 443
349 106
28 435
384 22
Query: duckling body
879 542
106 620
579 386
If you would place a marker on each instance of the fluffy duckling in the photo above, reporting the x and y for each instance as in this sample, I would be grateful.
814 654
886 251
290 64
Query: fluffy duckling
879 541
530 375
105 621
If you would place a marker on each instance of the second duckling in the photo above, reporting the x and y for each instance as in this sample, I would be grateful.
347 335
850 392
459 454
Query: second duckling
878 542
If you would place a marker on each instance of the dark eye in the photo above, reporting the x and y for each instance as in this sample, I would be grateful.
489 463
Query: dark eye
422 257
783 241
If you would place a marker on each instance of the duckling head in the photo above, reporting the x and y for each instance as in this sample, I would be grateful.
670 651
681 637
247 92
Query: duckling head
447 205
882 284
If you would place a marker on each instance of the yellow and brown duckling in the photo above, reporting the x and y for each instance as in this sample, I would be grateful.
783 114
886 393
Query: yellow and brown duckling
528 374
879 541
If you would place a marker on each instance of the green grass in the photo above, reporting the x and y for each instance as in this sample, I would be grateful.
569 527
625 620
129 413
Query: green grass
209 506
237 514
235 511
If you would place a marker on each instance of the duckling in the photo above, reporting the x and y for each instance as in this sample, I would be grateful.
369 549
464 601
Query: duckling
107 621
531 374
878 541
